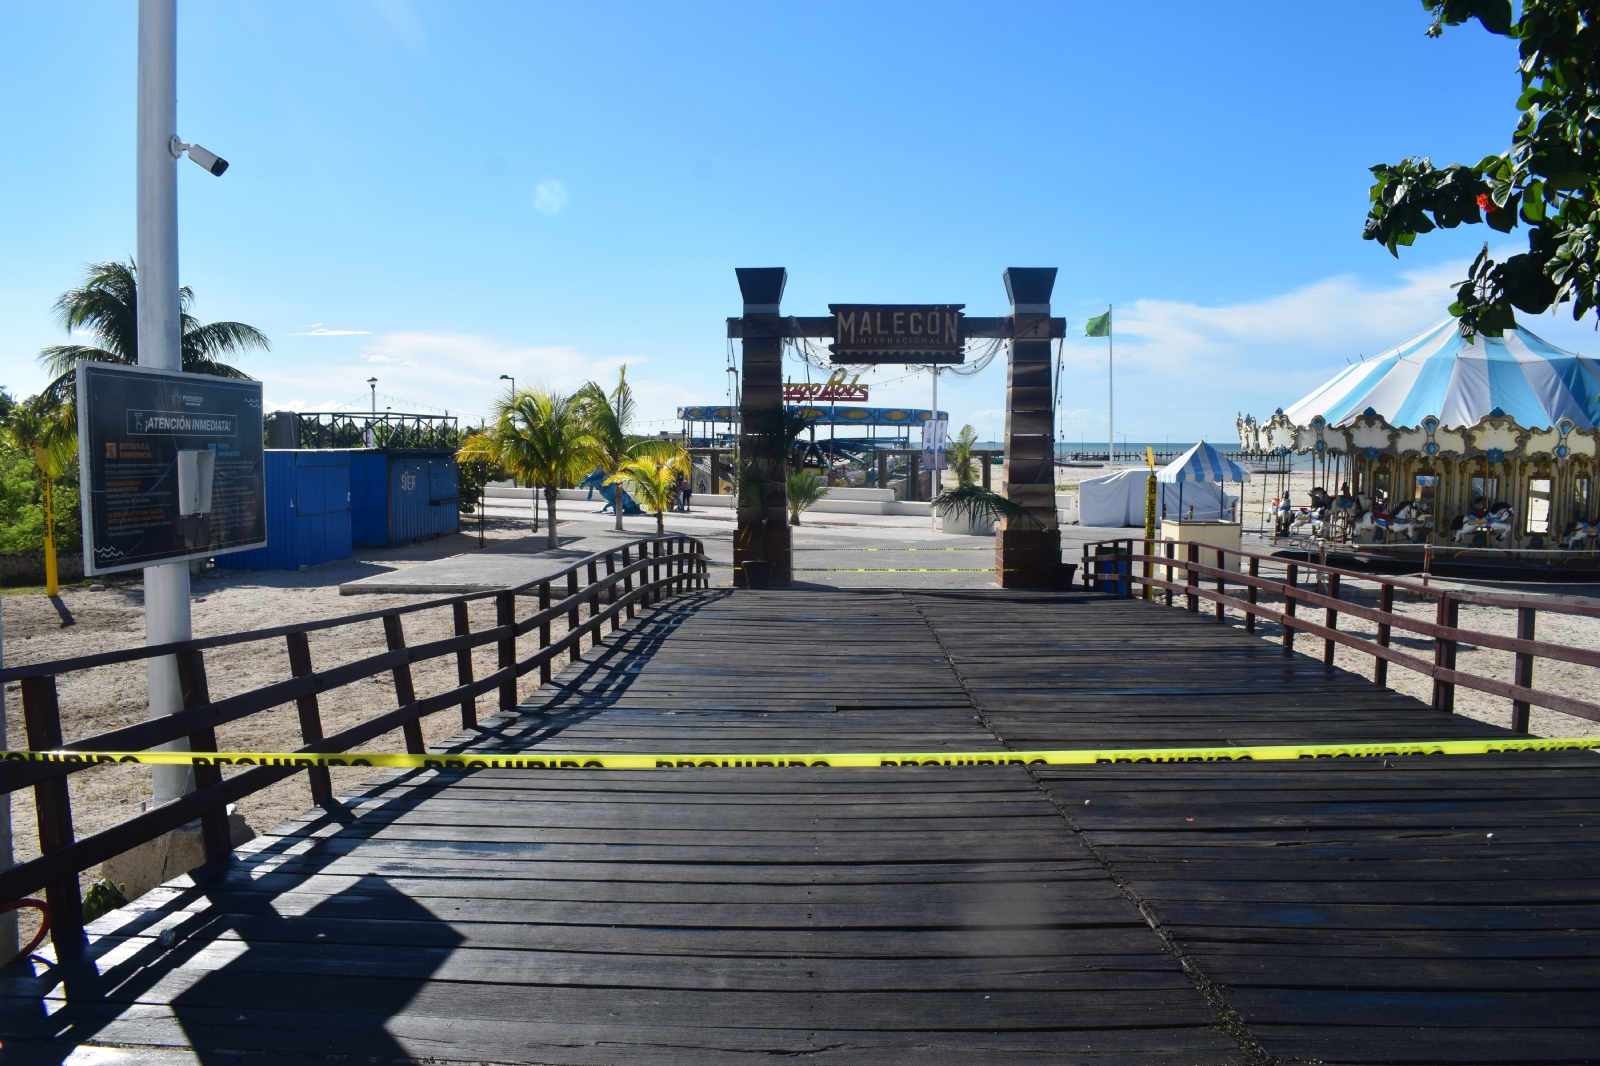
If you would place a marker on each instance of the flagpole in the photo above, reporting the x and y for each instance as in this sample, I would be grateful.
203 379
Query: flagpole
1111 428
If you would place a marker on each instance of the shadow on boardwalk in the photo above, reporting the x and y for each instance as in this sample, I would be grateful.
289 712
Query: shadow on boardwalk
1338 911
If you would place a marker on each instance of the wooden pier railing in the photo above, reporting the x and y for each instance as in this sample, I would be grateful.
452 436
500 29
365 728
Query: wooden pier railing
1174 568
638 572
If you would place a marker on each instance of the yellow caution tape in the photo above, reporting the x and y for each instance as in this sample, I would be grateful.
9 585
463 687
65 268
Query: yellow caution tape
560 760
898 570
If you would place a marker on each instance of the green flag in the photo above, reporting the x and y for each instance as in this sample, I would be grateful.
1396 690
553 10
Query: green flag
1098 326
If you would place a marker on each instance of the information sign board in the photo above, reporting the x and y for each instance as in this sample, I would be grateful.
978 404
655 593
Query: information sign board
170 466
897 333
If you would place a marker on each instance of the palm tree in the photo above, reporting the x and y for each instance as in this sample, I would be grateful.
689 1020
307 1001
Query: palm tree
541 437
609 415
958 455
42 427
653 479
106 304
806 487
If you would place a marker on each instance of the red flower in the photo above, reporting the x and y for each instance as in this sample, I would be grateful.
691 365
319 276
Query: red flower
1484 203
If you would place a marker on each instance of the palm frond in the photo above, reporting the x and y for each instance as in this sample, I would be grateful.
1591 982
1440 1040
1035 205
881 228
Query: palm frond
980 503
805 487
62 359
106 305
653 484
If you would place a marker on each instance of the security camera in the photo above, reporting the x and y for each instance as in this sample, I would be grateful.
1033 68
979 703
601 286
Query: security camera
213 163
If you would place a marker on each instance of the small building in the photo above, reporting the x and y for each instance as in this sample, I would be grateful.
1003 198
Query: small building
308 511
401 496
346 482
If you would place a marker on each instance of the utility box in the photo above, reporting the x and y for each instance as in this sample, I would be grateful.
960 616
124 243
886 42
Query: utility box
402 496
308 511
1222 534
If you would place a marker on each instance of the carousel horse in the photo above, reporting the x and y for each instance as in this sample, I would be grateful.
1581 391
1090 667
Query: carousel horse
1579 531
1406 521
1492 522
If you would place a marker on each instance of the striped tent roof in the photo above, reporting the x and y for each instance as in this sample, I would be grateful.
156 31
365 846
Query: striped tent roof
1441 373
1203 463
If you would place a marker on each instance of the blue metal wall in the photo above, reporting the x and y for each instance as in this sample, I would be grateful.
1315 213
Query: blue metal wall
399 497
422 496
369 498
308 512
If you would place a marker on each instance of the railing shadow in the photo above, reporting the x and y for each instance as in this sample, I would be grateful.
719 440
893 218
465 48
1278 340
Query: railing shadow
233 968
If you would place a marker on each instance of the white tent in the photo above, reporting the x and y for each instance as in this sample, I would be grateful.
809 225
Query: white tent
1118 499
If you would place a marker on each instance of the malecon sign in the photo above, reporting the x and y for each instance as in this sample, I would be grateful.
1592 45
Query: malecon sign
836 390
897 333
171 466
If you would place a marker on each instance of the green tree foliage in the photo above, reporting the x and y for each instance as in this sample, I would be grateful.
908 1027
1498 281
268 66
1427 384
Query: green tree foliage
540 437
1547 180
805 487
106 305
609 415
958 455
24 427
473 477
653 480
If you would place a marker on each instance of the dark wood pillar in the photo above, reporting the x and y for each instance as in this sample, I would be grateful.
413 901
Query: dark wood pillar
761 408
1025 554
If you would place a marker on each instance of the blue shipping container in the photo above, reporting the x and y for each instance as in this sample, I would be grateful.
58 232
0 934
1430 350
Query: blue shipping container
308 512
401 496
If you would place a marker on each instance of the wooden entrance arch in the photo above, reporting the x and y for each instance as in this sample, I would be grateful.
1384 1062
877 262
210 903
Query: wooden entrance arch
1024 558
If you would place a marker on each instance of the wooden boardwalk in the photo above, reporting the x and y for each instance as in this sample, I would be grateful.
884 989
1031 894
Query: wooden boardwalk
1141 914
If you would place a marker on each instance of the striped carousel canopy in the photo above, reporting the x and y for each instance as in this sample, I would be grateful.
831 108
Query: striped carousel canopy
1203 463
1439 372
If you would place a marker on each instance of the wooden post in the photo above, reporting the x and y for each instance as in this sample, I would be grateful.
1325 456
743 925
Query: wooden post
655 572
627 580
1127 586
594 603
1172 553
1331 620
53 806
1250 595
469 704
611 589
1025 554
1444 654
1191 577
1380 667
505 614
1289 608
575 649
192 684
1520 709
310 716
404 693
544 632
1088 579
761 331
1222 584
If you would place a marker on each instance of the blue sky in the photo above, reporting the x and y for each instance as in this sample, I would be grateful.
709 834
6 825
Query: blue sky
435 194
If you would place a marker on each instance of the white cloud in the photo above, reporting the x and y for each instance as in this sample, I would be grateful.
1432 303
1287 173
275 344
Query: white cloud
1184 370
316 329
549 196
460 372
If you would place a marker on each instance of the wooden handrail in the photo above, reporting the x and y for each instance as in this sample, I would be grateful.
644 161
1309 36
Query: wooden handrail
663 566
1445 630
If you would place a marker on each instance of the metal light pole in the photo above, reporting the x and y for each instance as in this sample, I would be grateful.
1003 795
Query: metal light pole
508 377
166 587
372 383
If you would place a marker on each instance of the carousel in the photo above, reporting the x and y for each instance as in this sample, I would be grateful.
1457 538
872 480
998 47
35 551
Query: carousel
1476 451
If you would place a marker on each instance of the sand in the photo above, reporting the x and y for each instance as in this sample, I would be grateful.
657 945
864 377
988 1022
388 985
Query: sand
231 601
